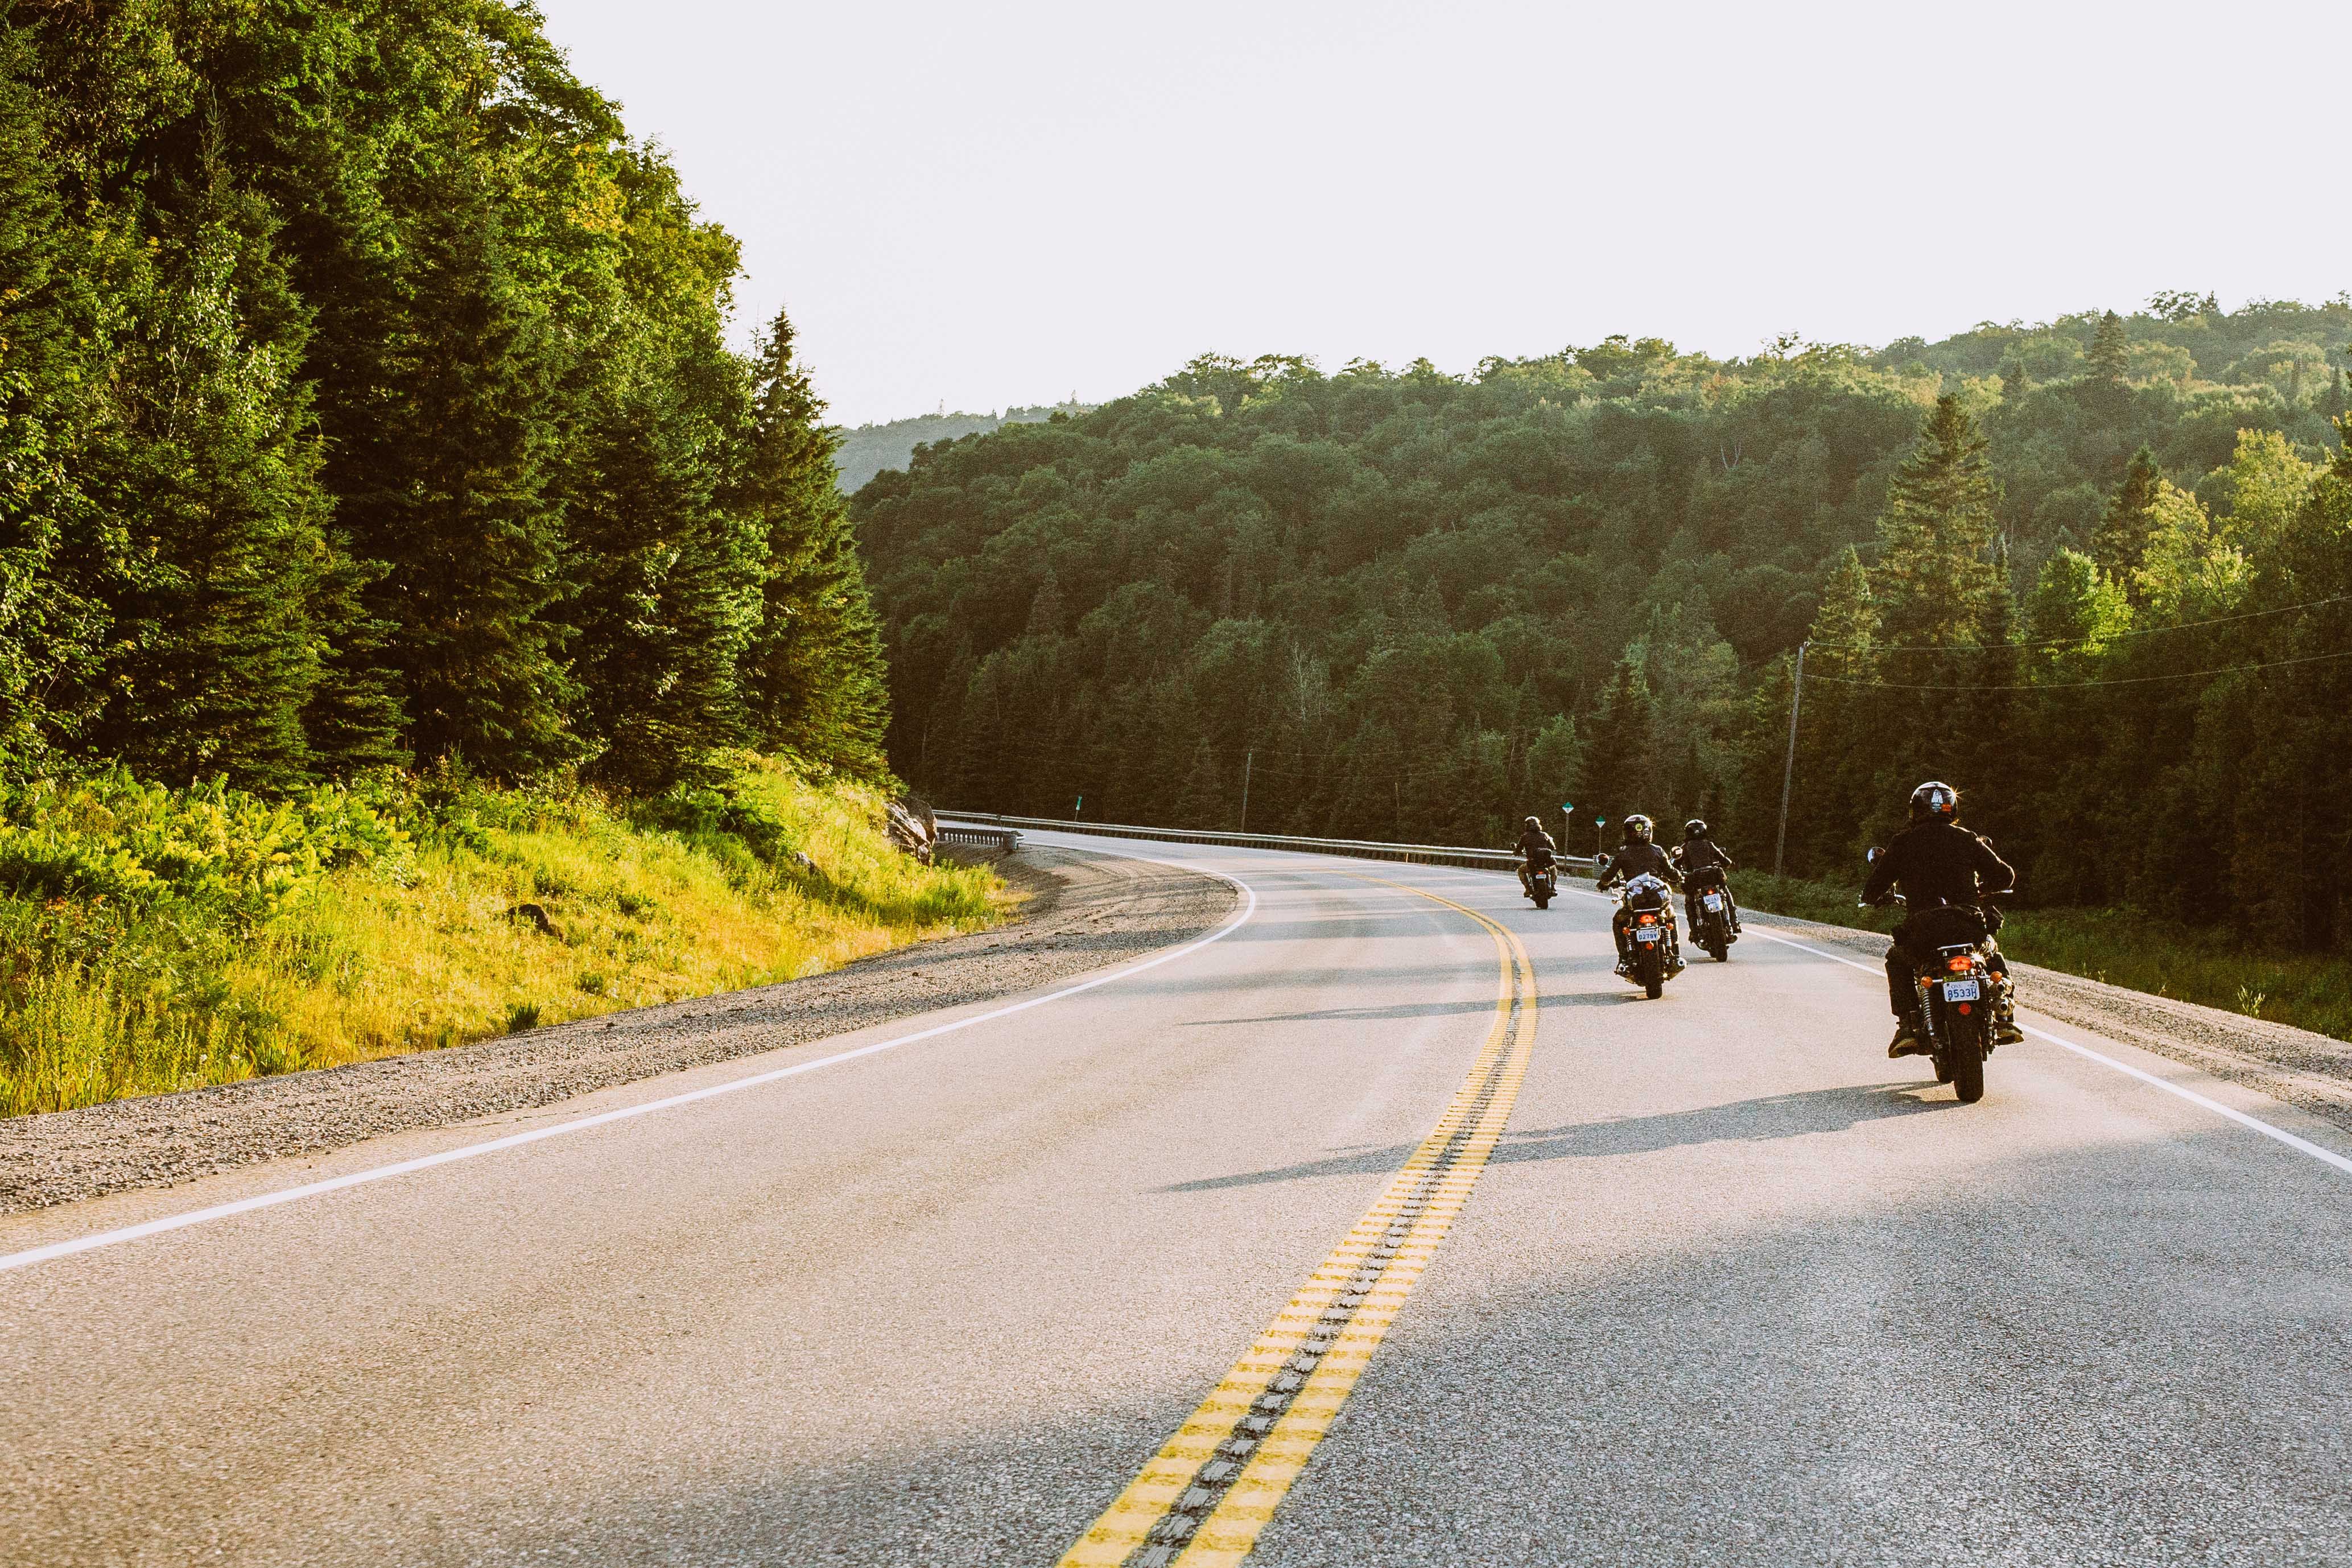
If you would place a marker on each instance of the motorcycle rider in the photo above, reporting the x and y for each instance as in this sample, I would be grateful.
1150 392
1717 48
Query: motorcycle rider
1700 853
1535 849
1935 861
1636 855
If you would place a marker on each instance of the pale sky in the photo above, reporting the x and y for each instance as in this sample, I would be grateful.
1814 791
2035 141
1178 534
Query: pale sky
985 205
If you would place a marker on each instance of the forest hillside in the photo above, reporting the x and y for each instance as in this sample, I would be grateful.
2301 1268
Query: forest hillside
2097 571
867 449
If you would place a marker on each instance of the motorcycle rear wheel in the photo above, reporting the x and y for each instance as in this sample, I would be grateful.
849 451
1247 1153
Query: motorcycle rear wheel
1543 900
1966 1053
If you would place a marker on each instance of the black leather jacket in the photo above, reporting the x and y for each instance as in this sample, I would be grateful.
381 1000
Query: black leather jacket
1632 860
1535 846
1699 854
1938 863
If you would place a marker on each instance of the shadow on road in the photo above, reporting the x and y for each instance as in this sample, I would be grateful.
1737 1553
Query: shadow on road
1744 1120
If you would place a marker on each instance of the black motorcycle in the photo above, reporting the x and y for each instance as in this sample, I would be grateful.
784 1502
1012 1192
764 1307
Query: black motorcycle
1710 910
1656 955
1541 881
1960 995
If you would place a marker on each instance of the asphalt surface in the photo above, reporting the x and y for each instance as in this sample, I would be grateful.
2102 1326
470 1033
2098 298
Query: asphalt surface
1730 1288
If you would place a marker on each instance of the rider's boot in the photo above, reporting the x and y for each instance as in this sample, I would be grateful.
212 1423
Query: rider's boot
2005 1031
1910 1037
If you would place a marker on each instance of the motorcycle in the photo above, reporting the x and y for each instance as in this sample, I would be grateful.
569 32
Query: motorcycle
1711 903
1656 955
1960 995
1542 881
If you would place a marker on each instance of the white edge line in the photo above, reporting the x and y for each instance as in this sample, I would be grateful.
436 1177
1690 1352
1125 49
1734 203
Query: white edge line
96 1239
2254 1123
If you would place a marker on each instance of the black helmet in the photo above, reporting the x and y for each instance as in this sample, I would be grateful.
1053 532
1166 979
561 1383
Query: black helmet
1695 828
1934 801
1638 829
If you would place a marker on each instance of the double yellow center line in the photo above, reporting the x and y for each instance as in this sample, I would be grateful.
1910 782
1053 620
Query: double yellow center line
1204 1498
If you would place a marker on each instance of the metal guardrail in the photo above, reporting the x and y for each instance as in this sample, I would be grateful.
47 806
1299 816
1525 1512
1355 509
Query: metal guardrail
1004 840
1476 859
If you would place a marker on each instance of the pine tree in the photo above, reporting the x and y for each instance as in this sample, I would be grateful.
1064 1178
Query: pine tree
2121 540
1937 586
1620 760
52 560
1201 803
667 578
1935 580
2014 382
1047 612
211 455
447 486
813 676
2108 362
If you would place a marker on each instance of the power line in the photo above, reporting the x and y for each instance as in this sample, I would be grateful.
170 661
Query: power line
2073 642
2065 685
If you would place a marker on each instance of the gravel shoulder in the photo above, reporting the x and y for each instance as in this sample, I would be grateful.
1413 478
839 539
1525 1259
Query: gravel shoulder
2310 1072
1082 912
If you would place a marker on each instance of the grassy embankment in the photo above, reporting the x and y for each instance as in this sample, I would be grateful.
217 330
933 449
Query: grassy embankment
2310 991
154 940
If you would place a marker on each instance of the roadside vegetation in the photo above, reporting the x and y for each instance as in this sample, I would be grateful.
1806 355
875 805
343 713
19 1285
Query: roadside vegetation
2116 947
156 939
403 582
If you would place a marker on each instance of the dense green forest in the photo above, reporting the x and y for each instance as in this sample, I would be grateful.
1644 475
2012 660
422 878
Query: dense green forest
867 449
2097 571
365 402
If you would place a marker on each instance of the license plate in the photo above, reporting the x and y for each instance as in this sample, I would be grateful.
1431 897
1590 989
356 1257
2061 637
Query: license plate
1714 901
1646 933
1960 990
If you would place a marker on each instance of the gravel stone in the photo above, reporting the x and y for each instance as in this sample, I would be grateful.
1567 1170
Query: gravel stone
1084 911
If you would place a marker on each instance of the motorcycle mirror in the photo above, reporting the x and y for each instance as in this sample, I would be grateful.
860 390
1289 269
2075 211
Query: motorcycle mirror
1874 853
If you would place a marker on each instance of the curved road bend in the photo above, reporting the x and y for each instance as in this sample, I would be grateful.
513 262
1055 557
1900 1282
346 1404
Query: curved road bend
1505 1264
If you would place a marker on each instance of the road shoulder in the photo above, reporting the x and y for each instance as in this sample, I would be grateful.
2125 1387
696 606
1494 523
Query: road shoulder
2312 1072
1085 911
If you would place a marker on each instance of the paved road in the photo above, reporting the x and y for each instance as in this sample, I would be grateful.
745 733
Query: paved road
1706 1280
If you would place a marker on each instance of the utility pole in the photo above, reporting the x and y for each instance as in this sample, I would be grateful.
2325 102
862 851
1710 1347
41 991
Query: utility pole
1248 758
1789 767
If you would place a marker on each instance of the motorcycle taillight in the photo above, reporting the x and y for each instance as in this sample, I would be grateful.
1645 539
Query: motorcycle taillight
1960 964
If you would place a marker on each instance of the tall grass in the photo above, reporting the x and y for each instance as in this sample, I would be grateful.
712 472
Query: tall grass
154 940
2119 947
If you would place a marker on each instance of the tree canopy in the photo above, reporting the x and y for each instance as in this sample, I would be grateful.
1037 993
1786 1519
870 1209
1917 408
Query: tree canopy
1417 605
364 397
